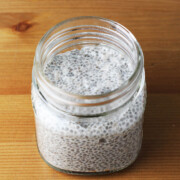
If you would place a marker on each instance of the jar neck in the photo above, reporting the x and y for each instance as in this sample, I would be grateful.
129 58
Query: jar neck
77 33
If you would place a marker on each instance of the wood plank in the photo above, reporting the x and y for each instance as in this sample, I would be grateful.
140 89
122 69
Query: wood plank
159 158
154 23
161 76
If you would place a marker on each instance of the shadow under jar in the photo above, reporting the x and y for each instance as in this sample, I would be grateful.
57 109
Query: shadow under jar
89 96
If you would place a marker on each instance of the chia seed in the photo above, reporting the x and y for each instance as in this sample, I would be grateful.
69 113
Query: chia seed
109 143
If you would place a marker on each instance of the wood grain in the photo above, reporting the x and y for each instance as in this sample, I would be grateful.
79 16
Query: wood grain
156 25
158 160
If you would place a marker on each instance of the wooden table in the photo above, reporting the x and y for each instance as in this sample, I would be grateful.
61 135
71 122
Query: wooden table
155 23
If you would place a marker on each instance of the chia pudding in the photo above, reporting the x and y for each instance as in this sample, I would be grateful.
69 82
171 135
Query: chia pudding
109 142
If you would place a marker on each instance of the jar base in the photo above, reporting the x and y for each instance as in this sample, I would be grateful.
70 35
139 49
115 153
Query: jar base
84 173
80 173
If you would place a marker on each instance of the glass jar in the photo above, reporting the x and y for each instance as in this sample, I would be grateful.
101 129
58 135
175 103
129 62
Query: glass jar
88 134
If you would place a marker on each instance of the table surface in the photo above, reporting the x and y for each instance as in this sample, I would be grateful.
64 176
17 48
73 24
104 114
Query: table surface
155 23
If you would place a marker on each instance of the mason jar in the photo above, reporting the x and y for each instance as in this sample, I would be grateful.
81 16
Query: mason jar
89 133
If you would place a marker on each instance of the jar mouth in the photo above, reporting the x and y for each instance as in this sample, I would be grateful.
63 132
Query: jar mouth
116 27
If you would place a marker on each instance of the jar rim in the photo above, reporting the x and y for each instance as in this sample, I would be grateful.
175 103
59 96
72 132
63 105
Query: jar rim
137 72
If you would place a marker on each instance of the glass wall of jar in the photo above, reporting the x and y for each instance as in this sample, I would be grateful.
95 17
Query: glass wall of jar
89 133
